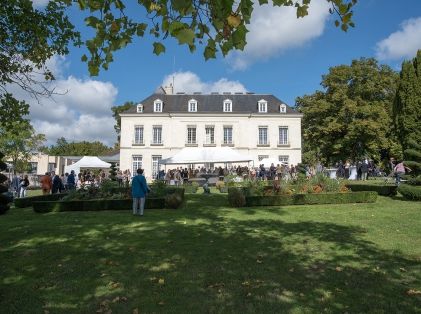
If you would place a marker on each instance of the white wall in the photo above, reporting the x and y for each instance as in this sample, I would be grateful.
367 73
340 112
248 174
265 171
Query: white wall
174 135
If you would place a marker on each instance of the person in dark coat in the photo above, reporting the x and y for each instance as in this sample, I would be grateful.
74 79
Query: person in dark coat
57 184
139 191
71 180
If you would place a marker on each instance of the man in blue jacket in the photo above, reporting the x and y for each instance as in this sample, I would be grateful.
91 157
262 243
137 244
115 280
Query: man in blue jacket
139 190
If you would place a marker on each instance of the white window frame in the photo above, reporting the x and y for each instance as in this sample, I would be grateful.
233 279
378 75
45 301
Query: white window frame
137 162
283 159
157 105
192 105
155 165
210 138
228 138
191 134
262 106
284 139
139 138
139 108
155 140
263 139
227 105
283 108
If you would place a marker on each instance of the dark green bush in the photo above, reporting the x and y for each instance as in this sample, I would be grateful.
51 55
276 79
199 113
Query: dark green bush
28 201
315 198
410 192
385 190
236 197
93 205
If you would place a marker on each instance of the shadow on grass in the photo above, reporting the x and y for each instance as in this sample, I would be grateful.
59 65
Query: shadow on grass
203 258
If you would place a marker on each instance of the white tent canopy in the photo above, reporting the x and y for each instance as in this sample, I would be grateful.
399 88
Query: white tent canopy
195 155
267 162
88 162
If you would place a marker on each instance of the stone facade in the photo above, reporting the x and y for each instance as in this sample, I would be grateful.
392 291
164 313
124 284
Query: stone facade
259 126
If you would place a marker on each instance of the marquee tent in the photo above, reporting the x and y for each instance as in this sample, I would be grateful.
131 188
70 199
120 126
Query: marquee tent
267 162
195 155
87 162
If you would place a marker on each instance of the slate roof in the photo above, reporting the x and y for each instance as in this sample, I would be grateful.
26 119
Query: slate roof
212 103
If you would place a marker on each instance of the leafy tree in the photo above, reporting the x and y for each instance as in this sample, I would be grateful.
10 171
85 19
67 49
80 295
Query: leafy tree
407 105
12 111
220 25
84 148
116 114
351 117
19 143
28 38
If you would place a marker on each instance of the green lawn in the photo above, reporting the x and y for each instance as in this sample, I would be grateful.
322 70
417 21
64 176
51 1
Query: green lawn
207 258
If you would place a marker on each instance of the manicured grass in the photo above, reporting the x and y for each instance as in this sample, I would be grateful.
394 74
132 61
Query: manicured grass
206 258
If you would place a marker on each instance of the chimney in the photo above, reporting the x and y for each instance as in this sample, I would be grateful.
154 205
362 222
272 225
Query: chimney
169 90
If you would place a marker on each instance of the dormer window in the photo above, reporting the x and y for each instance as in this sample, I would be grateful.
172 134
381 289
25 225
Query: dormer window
139 108
192 105
157 105
283 108
227 105
262 105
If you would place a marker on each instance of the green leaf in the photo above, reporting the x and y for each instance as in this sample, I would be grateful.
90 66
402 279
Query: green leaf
84 58
158 48
185 36
140 29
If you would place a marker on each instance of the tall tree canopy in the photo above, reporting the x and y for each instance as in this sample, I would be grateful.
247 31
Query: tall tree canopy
29 36
19 143
351 118
84 148
18 140
407 105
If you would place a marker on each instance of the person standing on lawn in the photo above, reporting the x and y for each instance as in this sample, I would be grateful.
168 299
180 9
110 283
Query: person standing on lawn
46 183
139 191
399 170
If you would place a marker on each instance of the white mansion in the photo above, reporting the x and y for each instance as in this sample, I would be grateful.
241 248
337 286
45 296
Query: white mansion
257 125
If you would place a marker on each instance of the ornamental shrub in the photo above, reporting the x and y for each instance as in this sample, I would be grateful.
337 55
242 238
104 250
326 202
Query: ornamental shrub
236 197
410 192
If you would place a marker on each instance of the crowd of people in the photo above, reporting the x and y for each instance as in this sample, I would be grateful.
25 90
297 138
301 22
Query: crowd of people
52 183
181 175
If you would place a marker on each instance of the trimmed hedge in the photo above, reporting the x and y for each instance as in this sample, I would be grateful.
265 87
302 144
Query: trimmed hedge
385 190
312 198
410 192
93 205
28 201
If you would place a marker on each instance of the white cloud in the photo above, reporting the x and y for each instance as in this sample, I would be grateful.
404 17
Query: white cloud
189 82
403 43
274 30
81 109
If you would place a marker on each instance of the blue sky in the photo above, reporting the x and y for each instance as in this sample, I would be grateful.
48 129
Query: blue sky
286 57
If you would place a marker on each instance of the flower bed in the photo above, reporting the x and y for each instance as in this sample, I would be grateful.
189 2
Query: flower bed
385 190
